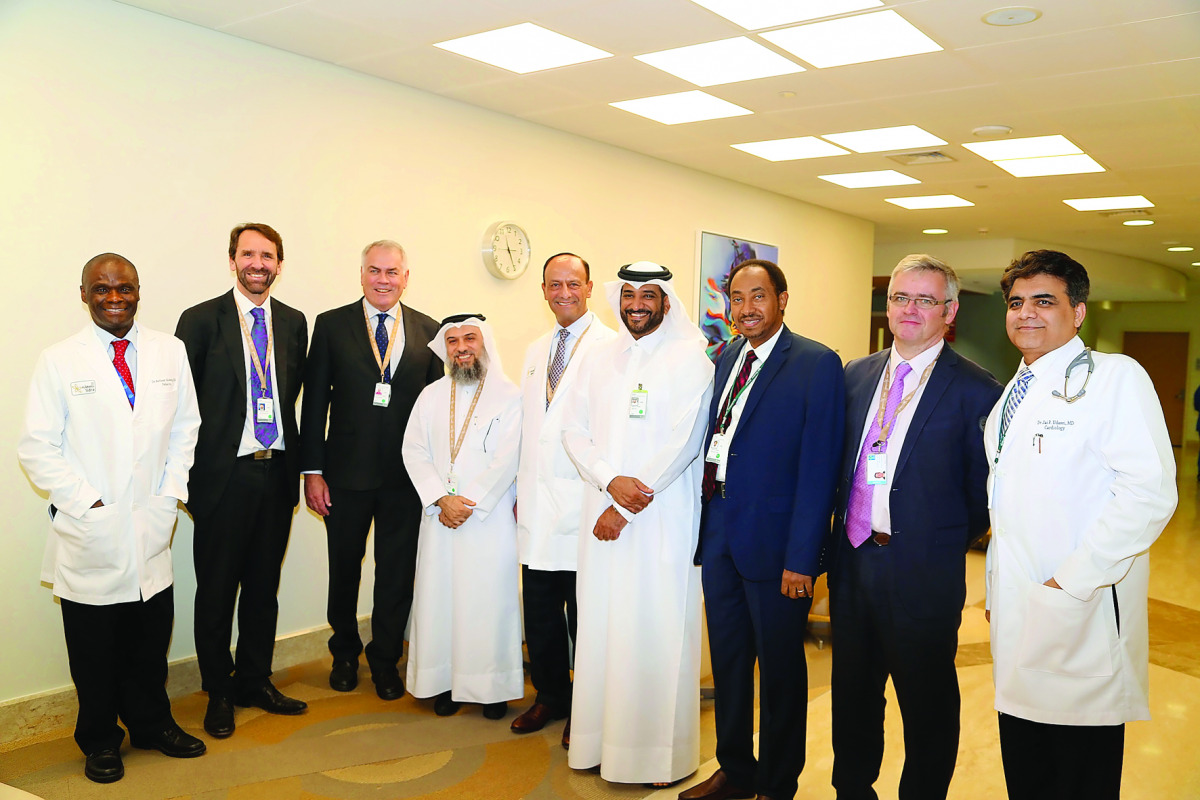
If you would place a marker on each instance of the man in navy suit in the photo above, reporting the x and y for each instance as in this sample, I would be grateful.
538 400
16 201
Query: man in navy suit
911 499
772 451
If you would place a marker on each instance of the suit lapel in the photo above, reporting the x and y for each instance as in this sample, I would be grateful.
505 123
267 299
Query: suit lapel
724 368
363 337
939 380
279 337
768 371
856 413
230 331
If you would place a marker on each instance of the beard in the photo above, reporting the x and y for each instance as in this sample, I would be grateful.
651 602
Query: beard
473 372
648 324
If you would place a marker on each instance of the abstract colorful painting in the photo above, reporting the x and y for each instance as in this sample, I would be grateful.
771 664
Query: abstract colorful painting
718 256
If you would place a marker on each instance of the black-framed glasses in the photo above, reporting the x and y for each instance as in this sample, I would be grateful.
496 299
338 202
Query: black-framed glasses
902 300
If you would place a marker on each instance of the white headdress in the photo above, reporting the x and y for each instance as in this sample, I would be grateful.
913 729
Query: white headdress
438 343
676 323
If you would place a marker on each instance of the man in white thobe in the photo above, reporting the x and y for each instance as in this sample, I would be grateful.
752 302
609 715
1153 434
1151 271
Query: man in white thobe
1082 483
460 449
634 432
550 490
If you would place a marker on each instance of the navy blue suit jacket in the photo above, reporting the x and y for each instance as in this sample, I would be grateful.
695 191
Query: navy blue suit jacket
784 457
938 486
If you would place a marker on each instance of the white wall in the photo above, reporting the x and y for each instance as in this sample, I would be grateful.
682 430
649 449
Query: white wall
131 132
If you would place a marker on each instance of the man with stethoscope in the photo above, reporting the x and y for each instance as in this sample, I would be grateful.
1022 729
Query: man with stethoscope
1082 483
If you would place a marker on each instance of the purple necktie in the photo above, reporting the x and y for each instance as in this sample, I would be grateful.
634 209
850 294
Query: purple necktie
265 432
709 484
858 511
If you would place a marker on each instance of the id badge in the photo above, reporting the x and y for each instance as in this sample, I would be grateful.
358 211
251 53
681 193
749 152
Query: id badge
264 410
718 450
451 484
876 469
383 395
639 401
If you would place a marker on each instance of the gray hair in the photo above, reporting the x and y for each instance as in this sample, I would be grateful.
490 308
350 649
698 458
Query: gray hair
923 262
385 243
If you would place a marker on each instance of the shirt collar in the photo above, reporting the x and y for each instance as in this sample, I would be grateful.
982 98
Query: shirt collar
1055 362
107 338
920 361
245 305
576 328
764 350
374 312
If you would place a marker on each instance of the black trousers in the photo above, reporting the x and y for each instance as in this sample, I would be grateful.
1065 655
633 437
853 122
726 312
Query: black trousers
1063 762
550 623
240 543
118 658
875 637
396 512
749 621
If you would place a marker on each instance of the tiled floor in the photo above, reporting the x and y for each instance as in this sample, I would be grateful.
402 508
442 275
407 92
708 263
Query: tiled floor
355 746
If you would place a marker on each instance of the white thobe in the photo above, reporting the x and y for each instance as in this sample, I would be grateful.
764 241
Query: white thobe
1078 493
549 488
465 635
636 709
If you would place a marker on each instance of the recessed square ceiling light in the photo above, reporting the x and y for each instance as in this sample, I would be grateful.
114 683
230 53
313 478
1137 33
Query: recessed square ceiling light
1138 223
865 180
523 48
791 149
1029 147
1109 203
726 61
935 231
930 201
755 14
853 40
1050 165
672 109
902 137
1180 249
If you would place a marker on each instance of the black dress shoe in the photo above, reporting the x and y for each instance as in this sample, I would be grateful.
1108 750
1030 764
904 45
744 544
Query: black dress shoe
104 766
495 710
717 787
444 705
271 700
389 686
171 741
344 675
218 719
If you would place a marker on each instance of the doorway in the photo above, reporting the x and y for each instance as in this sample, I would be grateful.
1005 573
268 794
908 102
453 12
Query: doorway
1164 357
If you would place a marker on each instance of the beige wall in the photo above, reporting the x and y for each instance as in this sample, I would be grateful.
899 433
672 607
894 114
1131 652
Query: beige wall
131 132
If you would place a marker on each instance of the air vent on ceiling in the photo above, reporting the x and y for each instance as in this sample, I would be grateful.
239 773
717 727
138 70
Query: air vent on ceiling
921 159
1128 213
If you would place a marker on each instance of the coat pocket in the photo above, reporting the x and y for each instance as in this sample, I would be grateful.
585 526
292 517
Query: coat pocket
157 519
1066 636
89 542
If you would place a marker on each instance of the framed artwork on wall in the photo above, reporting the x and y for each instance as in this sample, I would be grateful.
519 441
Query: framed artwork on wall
718 255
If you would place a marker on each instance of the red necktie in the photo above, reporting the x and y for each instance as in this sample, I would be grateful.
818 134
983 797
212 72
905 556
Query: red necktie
119 348
709 485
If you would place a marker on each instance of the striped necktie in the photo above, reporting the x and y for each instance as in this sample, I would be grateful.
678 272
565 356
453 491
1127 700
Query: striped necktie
1014 399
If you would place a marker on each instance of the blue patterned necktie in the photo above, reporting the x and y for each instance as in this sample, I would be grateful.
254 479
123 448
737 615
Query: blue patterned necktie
559 364
381 341
265 432
1014 399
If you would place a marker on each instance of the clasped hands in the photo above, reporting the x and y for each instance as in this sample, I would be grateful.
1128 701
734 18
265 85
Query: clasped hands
629 493
455 510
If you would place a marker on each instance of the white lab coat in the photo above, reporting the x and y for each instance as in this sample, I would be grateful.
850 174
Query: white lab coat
549 489
465 635
1079 493
82 442
635 708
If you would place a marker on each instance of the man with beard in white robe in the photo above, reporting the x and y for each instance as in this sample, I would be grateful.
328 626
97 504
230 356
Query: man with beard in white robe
634 430
460 448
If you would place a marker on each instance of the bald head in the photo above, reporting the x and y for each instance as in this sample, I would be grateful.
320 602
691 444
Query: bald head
110 289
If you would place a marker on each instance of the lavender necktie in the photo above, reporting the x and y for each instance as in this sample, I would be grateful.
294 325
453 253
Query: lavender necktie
858 511
265 432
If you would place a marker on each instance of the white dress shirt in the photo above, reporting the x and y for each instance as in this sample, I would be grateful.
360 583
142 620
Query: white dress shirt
393 315
881 511
761 353
130 336
249 442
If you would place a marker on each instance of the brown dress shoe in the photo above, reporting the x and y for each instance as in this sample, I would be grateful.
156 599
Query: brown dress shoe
566 740
717 787
535 719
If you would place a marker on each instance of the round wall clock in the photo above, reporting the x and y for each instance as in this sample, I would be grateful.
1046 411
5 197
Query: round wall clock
506 250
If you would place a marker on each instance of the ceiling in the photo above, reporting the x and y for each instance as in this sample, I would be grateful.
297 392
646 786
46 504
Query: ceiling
1120 79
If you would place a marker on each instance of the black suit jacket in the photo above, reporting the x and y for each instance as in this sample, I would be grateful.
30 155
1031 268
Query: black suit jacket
938 486
362 447
213 338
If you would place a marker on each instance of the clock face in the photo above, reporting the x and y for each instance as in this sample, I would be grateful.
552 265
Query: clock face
506 250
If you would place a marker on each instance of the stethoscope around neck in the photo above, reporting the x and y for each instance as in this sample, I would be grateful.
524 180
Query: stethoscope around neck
1084 359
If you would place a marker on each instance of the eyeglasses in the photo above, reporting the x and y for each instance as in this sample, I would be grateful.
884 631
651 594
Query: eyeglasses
902 300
